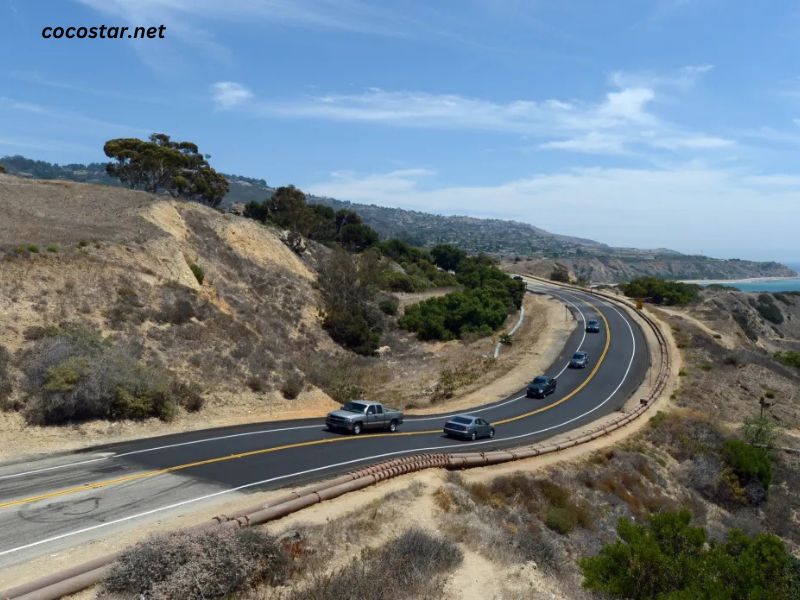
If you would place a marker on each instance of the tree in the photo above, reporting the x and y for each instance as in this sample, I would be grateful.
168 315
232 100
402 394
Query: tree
447 256
162 165
2 169
560 273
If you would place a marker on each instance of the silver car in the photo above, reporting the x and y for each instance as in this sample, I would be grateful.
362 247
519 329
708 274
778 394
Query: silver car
468 427
579 360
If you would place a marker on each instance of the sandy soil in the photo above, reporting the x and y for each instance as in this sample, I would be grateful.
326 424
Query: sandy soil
726 339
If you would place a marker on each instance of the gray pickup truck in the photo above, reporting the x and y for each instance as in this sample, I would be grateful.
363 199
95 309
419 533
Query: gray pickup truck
359 415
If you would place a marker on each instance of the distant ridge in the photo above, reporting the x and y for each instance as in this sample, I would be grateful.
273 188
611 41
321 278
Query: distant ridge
511 240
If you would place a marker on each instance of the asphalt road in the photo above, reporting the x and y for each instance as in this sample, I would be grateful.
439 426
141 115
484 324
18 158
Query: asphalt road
53 504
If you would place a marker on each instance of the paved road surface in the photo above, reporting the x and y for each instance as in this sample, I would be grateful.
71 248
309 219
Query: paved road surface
53 504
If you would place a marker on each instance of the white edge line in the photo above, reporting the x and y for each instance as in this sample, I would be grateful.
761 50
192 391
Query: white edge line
340 464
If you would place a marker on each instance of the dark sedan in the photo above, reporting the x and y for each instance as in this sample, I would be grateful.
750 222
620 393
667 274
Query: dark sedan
579 360
541 386
593 326
468 427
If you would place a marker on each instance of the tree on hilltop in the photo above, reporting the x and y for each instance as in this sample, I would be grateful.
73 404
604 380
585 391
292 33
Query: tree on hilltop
163 165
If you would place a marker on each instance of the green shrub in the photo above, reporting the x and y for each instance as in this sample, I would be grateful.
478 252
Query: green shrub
395 281
661 291
479 309
52 248
74 374
767 308
32 248
790 358
666 558
749 463
389 306
198 272
560 520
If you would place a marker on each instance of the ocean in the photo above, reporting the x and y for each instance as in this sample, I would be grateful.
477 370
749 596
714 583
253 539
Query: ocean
791 284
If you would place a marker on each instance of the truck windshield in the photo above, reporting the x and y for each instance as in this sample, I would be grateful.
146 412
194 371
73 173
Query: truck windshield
357 407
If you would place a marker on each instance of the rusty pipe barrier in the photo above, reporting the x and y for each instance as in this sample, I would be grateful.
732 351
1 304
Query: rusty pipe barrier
77 578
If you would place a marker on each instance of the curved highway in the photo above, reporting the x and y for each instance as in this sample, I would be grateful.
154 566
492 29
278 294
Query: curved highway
53 504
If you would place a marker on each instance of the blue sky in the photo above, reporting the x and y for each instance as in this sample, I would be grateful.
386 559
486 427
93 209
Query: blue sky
668 123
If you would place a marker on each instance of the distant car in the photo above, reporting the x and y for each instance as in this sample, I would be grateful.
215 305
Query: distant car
579 360
468 427
592 326
541 386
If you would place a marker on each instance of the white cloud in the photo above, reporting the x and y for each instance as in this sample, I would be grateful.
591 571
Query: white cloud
228 94
659 207
622 120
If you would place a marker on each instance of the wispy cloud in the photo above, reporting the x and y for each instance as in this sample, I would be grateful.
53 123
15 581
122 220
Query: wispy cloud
228 94
625 117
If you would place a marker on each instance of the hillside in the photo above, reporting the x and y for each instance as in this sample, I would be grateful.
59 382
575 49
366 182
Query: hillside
596 261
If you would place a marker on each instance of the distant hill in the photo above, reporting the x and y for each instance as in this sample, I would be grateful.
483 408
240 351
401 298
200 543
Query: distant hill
506 239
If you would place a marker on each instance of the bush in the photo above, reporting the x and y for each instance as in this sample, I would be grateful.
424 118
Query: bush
667 558
52 248
74 374
5 378
197 566
661 291
790 358
198 272
560 274
748 462
292 386
32 248
412 565
560 520
389 306
767 308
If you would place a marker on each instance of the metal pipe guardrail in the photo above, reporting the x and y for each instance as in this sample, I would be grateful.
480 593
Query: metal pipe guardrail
75 579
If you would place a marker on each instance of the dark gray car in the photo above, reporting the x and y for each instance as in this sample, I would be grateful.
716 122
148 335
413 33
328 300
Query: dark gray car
579 360
541 386
592 326
468 427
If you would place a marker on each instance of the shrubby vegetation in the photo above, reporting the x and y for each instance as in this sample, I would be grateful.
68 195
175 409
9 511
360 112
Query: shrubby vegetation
197 566
288 208
419 266
661 291
489 295
767 308
560 274
667 558
348 284
74 374
790 358
412 565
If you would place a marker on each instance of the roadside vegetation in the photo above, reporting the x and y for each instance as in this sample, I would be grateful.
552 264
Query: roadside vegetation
74 374
482 306
661 291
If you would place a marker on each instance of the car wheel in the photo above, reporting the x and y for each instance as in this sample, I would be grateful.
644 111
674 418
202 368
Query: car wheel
474 436
393 426
357 429
491 433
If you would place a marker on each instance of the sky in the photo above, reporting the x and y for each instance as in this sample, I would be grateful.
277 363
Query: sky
642 123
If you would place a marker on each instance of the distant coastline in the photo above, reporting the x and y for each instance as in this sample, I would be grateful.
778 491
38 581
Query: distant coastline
755 284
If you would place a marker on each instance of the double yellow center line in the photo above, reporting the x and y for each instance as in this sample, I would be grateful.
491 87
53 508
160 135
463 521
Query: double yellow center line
155 472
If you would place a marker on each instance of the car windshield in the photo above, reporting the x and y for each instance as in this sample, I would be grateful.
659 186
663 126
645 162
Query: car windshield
578 356
462 420
357 407
539 379
593 322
